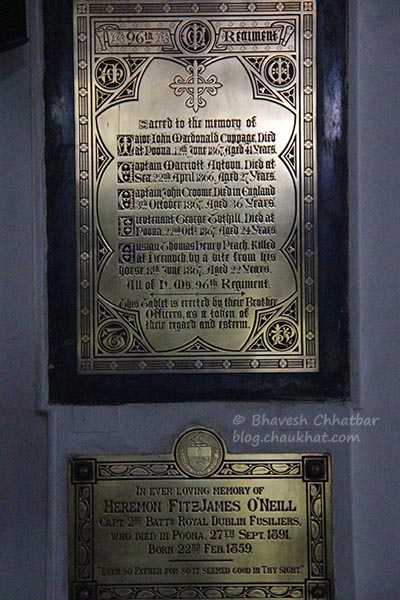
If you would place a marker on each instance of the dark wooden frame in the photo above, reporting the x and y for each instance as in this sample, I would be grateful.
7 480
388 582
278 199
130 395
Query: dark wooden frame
333 380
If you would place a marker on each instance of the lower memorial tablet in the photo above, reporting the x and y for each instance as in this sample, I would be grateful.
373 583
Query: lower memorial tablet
200 523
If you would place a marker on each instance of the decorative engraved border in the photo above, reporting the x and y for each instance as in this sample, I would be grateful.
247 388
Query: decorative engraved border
202 591
316 533
92 248
314 470
84 541
245 469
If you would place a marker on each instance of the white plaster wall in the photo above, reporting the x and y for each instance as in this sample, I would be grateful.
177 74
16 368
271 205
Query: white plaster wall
366 490
23 431
375 162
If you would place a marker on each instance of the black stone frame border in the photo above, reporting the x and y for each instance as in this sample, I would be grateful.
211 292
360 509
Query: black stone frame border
333 380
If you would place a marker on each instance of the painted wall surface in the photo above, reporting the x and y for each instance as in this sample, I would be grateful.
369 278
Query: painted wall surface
23 431
375 119
366 490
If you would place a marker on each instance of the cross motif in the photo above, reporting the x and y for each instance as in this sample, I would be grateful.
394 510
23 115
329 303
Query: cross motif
195 86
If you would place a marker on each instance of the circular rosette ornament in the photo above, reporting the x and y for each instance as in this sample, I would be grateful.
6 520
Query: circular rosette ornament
282 335
113 337
195 37
110 73
280 71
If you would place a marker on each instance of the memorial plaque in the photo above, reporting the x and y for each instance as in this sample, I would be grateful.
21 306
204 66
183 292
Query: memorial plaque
196 186
200 523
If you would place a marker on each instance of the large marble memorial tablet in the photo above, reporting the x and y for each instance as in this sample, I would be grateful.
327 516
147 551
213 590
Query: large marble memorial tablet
196 186
200 523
